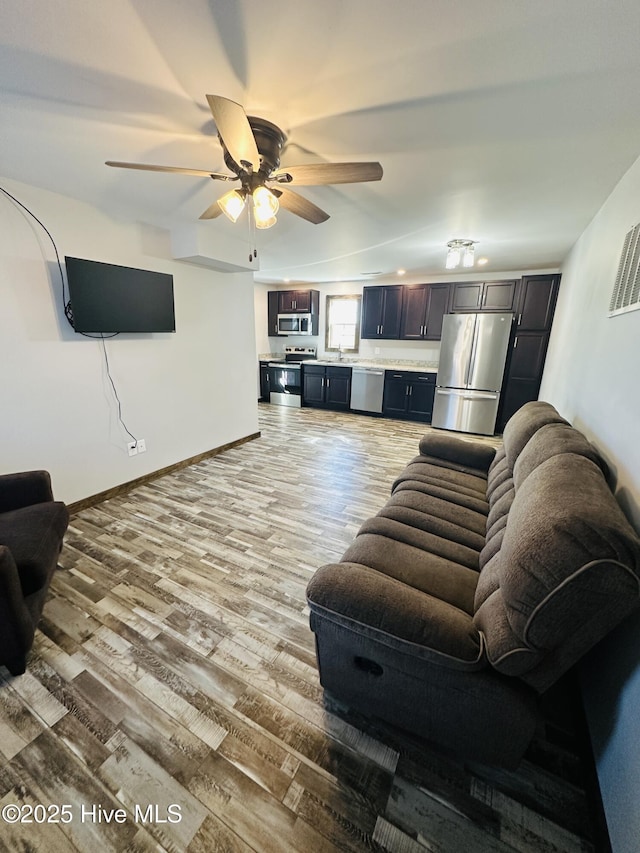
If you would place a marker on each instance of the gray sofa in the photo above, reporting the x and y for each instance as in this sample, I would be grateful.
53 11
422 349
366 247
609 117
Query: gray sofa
32 526
485 578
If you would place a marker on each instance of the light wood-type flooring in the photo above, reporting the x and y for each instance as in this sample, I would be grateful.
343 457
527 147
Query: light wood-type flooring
172 700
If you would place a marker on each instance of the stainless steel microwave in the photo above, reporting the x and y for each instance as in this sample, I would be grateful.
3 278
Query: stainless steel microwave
295 324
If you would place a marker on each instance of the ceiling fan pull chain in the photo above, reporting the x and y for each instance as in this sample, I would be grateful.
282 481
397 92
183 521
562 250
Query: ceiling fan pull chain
253 253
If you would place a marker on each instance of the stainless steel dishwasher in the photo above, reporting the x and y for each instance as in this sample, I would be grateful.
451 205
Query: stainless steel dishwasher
367 386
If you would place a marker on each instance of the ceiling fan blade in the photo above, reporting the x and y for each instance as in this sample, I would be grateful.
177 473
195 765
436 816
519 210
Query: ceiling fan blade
212 211
235 130
314 174
301 206
147 167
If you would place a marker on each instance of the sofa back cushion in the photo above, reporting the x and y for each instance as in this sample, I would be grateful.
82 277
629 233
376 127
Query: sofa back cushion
524 424
566 573
551 440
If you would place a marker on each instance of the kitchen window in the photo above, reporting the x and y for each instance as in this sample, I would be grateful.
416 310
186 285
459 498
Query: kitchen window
343 324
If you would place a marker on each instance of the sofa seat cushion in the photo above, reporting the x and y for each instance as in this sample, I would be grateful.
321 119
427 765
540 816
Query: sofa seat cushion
497 476
395 615
420 468
419 536
457 524
467 524
452 494
499 509
418 569
33 535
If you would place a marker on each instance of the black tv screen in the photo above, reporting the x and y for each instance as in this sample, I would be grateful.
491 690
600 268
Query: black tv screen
111 298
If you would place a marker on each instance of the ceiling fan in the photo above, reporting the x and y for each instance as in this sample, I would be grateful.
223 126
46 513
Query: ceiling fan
252 149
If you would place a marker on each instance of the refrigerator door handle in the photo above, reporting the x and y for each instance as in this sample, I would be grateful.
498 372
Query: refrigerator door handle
474 352
468 395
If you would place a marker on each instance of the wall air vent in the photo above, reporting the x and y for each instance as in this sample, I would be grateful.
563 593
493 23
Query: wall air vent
626 290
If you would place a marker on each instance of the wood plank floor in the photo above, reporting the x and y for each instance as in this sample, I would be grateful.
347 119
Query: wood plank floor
174 669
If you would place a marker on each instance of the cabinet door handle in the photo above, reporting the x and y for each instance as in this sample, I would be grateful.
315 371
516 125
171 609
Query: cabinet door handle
328 381
515 343
519 319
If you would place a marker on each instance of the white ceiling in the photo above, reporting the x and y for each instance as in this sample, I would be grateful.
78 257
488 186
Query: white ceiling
505 121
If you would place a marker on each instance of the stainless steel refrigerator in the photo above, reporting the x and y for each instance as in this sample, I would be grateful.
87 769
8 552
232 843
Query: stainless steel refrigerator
473 352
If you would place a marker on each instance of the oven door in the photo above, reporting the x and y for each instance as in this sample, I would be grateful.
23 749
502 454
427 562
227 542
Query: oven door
285 383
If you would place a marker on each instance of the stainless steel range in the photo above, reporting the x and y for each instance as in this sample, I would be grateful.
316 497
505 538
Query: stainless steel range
285 377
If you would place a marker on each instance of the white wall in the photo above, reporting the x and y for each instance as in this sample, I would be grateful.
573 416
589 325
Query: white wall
185 393
591 376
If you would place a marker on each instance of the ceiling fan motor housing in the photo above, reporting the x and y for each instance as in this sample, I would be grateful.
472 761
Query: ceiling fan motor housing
269 142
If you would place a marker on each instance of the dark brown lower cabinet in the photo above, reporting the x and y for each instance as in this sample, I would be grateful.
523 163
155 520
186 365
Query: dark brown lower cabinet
409 395
326 387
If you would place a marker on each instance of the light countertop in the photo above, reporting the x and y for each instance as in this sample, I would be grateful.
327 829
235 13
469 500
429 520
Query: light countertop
414 367
383 364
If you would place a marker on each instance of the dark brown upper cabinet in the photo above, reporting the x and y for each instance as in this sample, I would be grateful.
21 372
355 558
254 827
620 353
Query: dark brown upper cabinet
537 302
423 308
298 301
381 312
292 302
473 296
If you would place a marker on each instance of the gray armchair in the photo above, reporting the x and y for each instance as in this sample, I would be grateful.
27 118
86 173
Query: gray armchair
32 527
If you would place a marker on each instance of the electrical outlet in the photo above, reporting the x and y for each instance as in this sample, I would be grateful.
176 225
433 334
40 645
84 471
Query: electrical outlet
132 447
142 445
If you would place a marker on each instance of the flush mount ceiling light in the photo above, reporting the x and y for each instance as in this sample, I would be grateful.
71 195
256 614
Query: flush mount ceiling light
460 250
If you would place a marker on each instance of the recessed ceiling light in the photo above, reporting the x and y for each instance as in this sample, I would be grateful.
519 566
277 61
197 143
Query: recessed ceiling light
482 261
401 272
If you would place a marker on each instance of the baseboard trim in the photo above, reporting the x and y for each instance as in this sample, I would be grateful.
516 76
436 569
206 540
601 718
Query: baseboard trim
123 488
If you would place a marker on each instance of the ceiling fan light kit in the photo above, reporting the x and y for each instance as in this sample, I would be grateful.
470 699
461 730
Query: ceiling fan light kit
232 204
265 207
460 250
251 147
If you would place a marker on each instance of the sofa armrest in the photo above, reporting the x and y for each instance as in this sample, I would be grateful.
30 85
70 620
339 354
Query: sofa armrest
394 614
450 448
16 624
24 489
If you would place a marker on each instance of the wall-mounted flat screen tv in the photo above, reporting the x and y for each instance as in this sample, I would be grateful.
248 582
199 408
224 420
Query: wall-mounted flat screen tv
111 298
